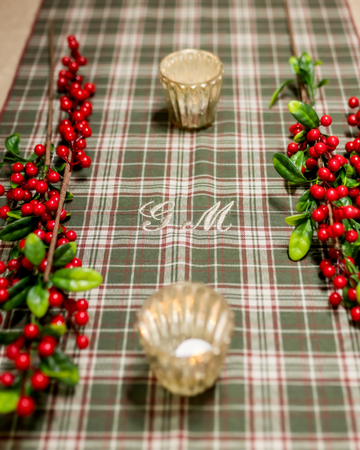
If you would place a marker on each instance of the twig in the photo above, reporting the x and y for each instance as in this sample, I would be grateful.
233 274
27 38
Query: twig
305 98
51 95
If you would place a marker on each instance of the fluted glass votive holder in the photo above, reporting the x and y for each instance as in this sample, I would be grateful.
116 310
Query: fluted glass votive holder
181 314
192 81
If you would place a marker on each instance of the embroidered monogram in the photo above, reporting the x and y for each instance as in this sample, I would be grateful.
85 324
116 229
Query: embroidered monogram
209 217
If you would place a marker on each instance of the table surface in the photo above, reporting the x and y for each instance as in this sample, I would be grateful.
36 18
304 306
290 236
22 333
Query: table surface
291 378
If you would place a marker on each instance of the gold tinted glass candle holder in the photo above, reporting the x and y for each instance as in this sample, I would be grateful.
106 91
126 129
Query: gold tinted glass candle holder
192 81
174 314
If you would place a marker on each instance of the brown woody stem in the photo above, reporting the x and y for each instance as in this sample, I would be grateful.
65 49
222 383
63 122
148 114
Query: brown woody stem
51 95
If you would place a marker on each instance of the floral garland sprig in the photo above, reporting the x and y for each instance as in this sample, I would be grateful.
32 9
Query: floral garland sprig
327 206
43 269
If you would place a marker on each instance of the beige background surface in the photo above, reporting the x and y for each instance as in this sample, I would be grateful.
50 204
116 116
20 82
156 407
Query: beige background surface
15 29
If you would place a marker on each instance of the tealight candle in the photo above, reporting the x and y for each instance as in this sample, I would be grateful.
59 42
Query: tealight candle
192 347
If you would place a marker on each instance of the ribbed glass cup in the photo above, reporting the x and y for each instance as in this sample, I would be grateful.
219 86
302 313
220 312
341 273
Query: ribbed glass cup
192 81
178 312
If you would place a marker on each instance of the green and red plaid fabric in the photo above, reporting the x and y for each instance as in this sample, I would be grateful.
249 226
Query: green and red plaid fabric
291 378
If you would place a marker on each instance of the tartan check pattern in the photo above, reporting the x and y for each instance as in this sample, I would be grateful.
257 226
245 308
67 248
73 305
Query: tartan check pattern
291 378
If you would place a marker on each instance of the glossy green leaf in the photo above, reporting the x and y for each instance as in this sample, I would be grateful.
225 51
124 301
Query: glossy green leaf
306 64
77 279
15 252
345 201
38 300
12 143
54 330
304 201
17 300
295 220
301 137
350 183
7 337
350 171
287 169
318 63
298 159
34 249
64 254
322 83
60 367
300 240
278 90
304 114
19 229
9 399
294 64
15 215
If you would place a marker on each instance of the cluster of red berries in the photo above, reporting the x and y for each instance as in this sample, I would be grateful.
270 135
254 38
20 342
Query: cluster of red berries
75 129
24 358
32 194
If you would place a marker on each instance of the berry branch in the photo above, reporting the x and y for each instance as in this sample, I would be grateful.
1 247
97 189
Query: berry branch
43 269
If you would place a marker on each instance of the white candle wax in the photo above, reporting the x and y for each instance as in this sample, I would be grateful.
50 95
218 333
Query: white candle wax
192 347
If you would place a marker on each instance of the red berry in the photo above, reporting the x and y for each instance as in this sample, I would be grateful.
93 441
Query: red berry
317 192
22 361
87 131
26 210
69 136
66 60
12 351
16 178
85 110
62 151
73 66
7 379
17 167
32 183
351 236
31 331
328 271
2 190
320 148
90 87
323 173
52 204
48 237
18 194
45 348
85 162
333 165
43 264
71 235
355 313
82 341
2 267
335 299
3 212
61 242
318 215
351 294
25 407
313 135
39 381
353 192
63 214
340 282
76 262
27 264
81 318
4 283
326 121
338 229
4 295
53 177
311 163
55 298
81 144
331 178
50 225
14 264
322 234
39 209
82 305
82 61
293 147
342 191
65 104
331 194
353 102
350 212
351 120
41 187
39 150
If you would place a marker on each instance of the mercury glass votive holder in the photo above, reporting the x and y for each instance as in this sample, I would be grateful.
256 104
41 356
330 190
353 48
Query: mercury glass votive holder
192 81
174 314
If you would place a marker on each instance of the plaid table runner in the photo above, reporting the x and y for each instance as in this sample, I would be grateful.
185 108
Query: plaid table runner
291 378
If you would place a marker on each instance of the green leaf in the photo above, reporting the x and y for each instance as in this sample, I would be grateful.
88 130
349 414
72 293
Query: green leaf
303 201
318 63
60 366
12 143
19 229
38 300
307 65
304 114
295 220
294 64
54 330
301 137
300 240
298 159
15 252
7 337
15 215
349 170
278 90
9 399
64 254
345 201
34 249
350 183
17 300
322 83
77 279
287 169
68 196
